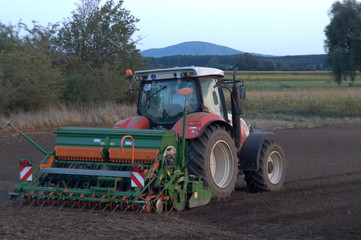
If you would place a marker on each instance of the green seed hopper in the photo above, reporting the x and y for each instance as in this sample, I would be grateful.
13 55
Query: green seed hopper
142 170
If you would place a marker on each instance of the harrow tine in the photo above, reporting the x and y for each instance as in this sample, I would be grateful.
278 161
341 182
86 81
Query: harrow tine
21 203
43 203
117 206
127 208
62 205
84 205
106 206
140 209
54 202
73 204
95 205
32 202
11 200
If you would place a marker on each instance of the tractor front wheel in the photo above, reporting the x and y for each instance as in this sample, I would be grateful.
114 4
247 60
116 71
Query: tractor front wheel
213 158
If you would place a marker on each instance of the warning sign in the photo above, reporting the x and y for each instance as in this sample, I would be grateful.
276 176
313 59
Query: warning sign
137 179
26 173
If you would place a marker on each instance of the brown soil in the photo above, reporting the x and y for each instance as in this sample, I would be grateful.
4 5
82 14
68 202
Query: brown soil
321 198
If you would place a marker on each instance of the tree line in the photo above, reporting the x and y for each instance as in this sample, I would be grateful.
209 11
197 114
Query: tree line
80 61
245 62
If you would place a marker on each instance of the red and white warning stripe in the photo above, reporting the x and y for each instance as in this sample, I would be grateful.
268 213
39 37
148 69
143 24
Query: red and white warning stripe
137 179
26 173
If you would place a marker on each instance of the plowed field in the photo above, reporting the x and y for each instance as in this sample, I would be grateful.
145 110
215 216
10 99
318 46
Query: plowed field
321 198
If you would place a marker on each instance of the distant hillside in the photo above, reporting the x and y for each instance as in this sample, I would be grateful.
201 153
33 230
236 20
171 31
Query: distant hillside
194 48
211 55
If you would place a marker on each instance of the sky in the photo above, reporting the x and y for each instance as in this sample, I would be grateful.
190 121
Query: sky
272 27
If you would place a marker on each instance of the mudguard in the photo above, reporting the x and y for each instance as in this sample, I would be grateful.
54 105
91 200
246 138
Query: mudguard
197 122
249 155
138 122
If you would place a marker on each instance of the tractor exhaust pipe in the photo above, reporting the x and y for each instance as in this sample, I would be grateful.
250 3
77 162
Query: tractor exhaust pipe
236 110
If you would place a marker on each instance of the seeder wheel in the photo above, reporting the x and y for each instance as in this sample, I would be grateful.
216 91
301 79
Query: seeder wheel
81 203
28 198
159 206
147 208
135 206
124 203
40 200
50 201
102 205
112 205
70 202
59 201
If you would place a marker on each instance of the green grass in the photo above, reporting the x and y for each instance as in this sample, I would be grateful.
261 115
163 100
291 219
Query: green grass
256 80
298 99
346 101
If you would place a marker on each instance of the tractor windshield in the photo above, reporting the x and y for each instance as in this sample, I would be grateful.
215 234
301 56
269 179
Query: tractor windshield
161 102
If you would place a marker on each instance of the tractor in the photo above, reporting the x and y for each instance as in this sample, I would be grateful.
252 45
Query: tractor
184 148
220 145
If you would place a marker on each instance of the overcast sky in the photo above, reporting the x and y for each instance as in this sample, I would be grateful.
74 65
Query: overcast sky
276 27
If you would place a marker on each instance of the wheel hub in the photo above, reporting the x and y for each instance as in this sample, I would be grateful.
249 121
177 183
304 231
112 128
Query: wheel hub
274 167
220 164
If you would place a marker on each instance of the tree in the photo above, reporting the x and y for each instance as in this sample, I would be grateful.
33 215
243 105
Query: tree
343 43
247 62
28 79
9 37
268 65
99 34
41 38
98 45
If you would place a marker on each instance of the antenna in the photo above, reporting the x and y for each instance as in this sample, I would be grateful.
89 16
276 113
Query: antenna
204 49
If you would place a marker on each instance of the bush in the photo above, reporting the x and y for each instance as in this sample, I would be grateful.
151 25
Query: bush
28 80
81 87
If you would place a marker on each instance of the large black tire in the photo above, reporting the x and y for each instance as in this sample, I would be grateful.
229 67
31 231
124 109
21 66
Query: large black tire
213 158
272 169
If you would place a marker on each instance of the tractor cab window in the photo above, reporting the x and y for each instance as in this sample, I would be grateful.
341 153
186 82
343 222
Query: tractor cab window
211 96
161 102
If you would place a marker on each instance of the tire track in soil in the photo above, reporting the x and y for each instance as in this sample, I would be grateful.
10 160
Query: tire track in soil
318 211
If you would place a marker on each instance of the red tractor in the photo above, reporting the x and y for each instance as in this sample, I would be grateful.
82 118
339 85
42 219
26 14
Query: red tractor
220 145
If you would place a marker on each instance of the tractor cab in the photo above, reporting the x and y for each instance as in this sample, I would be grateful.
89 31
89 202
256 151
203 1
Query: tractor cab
160 102
160 106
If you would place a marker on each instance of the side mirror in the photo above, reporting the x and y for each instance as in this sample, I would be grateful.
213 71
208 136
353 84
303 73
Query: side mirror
242 91
215 98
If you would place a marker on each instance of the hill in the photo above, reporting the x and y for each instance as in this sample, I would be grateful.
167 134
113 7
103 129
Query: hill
207 54
194 48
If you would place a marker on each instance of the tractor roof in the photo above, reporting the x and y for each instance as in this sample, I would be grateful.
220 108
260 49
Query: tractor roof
177 72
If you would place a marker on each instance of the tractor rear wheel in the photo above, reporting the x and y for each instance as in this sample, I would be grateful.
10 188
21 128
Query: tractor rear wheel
272 169
213 158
